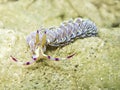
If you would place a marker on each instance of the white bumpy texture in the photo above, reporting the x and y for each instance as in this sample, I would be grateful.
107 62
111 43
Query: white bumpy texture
65 33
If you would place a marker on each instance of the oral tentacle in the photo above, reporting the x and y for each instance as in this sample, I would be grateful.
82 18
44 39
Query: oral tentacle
23 63
56 58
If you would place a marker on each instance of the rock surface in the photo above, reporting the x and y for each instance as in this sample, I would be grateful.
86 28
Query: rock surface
96 64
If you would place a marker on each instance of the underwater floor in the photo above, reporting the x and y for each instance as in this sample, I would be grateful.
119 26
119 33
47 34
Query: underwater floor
96 64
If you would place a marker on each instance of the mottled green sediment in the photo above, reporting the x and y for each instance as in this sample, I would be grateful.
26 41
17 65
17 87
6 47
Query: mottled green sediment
96 65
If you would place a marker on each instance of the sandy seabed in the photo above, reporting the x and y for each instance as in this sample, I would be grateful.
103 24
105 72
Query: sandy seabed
96 65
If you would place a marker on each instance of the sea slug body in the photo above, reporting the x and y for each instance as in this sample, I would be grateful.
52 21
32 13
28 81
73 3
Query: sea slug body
58 36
